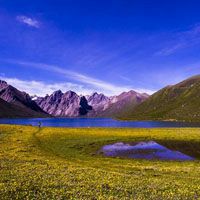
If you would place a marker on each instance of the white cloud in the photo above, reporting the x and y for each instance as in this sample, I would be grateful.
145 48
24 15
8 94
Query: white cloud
90 83
28 21
41 89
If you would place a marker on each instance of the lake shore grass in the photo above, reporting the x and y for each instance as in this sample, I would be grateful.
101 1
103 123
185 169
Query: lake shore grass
62 163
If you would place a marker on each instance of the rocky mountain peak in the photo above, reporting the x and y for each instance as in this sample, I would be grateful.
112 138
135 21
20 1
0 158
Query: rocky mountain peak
129 93
132 92
3 84
96 98
70 94
57 92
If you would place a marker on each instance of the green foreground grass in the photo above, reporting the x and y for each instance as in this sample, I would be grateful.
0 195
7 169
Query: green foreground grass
61 163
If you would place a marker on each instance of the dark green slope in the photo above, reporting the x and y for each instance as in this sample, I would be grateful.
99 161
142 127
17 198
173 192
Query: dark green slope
178 102
9 110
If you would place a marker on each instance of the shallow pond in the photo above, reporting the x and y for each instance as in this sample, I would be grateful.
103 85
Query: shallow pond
149 150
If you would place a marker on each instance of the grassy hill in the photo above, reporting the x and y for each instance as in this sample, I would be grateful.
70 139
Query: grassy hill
176 102
9 110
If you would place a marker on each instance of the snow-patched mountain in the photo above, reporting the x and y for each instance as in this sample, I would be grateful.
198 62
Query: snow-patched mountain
70 104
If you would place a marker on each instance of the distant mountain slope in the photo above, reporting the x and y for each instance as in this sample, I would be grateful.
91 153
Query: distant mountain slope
122 103
9 110
19 102
176 102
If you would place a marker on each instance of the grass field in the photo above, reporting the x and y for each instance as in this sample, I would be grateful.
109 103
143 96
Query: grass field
61 163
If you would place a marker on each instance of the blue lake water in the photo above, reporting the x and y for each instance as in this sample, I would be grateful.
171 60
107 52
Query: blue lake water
95 122
149 150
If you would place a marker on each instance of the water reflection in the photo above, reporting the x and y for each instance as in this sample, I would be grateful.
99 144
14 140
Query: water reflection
143 150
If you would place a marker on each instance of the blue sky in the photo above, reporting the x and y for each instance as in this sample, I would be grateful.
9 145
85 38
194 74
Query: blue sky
106 46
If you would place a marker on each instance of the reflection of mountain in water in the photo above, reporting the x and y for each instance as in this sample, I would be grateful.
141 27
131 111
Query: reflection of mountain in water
143 150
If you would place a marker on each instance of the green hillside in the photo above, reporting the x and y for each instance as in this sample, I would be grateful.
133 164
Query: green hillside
178 102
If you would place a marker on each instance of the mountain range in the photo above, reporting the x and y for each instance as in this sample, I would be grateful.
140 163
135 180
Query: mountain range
179 102
70 104
15 103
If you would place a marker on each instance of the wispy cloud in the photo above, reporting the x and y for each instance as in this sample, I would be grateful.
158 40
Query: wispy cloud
28 21
125 78
170 50
89 82
41 89
181 40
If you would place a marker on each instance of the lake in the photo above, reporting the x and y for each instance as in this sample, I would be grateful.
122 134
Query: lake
95 122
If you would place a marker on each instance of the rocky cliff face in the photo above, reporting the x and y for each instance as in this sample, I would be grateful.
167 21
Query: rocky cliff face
99 103
70 104
67 104
84 106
